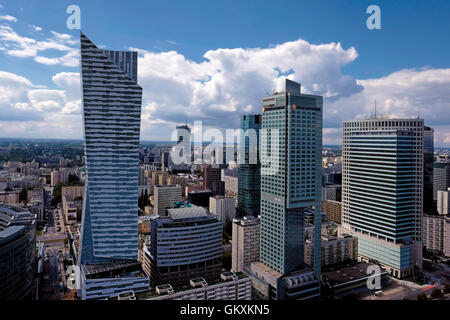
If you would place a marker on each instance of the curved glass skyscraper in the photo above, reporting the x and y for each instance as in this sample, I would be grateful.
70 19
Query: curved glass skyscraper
112 117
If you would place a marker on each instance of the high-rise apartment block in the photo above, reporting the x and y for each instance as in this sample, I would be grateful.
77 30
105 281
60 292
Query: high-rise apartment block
165 198
428 159
249 182
245 243
223 207
441 177
436 234
382 189
59 176
332 210
443 202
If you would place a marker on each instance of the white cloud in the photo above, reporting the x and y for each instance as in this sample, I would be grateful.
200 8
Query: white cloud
8 18
25 47
226 84
22 102
36 28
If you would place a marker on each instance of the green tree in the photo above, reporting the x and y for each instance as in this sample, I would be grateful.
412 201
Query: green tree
422 296
226 260
23 195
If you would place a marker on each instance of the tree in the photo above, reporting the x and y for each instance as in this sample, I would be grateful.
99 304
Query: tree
422 296
447 289
23 195
226 260
436 293
73 178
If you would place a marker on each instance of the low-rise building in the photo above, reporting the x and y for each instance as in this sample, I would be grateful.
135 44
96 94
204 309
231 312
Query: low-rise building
227 286
332 210
335 250
185 244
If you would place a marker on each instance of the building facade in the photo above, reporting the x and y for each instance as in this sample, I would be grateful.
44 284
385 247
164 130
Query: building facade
165 198
382 191
111 99
227 286
249 181
212 180
428 159
292 136
441 177
443 202
223 207
335 250
184 245
17 253
245 242
436 234
332 210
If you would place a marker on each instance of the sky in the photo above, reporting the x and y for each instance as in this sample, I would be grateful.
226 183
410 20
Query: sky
214 60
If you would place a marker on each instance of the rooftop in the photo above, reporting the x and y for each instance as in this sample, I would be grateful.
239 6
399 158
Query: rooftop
190 285
350 272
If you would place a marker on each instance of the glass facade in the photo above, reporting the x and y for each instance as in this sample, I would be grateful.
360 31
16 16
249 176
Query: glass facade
383 187
291 182
111 115
249 185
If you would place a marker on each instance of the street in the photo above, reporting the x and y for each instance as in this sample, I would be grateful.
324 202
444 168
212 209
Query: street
54 249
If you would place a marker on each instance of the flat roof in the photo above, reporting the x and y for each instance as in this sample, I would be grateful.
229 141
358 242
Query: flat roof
346 273
185 213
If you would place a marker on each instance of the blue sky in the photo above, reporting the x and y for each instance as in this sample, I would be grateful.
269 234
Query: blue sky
410 51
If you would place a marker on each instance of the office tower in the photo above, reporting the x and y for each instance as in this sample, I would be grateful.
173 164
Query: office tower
185 244
291 181
212 180
180 156
165 198
245 244
17 253
441 177
428 159
382 191
112 118
223 207
443 202
165 160
249 183
200 197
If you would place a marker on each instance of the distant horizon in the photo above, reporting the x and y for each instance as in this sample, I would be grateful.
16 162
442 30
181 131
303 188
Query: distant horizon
144 141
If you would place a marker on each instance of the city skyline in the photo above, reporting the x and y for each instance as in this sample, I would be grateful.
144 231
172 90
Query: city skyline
253 155
196 80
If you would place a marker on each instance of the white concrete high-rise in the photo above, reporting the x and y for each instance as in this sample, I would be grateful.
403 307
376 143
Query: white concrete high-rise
165 198
223 207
